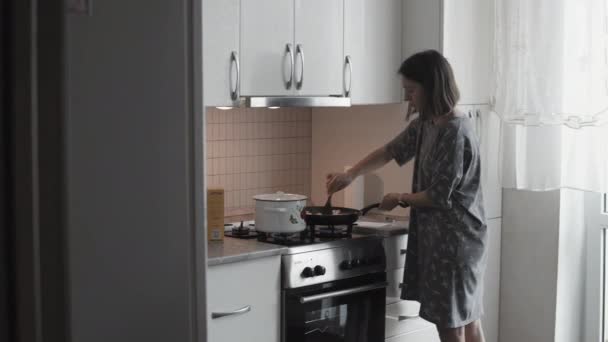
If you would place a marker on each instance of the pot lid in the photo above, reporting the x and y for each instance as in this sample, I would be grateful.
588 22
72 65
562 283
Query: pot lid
279 197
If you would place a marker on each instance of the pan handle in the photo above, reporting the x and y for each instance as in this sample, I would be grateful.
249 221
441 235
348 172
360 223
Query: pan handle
376 205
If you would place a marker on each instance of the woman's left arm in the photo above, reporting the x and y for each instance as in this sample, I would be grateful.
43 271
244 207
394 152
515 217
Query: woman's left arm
419 199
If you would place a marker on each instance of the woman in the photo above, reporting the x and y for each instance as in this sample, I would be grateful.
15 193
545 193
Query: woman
447 241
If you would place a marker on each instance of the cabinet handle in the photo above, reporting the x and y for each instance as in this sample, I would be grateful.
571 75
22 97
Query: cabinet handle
234 60
300 52
240 311
289 51
478 124
350 74
403 251
406 317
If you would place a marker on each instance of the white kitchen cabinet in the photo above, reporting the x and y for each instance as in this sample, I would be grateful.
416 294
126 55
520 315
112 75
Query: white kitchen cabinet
422 26
319 31
292 47
487 126
467 44
394 277
491 167
463 32
249 293
372 43
220 52
395 248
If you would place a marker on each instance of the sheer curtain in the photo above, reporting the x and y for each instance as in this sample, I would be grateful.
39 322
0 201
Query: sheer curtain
551 90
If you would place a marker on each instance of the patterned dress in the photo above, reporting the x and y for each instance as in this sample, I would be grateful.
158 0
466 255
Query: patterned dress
446 252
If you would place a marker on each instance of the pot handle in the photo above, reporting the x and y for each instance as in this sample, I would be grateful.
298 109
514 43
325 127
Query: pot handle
276 210
376 205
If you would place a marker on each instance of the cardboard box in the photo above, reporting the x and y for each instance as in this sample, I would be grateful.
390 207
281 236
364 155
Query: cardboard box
215 214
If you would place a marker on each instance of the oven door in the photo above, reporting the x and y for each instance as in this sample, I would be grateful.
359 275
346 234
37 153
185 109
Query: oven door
350 310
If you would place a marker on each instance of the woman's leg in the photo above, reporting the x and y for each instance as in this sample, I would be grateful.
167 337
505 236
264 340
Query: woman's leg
473 332
452 334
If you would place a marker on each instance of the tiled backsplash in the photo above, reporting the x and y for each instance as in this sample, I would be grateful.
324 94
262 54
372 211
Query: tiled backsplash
254 151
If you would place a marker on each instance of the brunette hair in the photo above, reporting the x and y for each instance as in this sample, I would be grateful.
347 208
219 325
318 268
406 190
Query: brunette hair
434 73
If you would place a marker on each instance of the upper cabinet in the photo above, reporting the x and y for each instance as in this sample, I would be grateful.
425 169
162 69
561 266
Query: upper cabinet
220 52
422 26
463 31
292 47
468 35
372 49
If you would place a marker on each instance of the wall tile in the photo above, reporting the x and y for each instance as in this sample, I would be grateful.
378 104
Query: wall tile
256 150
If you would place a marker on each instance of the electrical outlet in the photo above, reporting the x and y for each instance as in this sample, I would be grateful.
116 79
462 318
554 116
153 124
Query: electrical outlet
81 7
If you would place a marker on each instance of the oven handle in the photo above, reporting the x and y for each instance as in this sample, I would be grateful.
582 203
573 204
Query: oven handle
350 291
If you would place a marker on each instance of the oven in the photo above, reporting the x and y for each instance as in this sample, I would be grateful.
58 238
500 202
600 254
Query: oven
350 310
334 292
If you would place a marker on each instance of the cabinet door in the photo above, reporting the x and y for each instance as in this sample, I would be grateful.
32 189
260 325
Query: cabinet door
267 28
490 151
253 287
319 29
220 51
468 34
422 26
372 40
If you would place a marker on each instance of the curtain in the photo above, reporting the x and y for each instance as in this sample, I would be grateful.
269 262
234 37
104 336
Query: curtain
551 91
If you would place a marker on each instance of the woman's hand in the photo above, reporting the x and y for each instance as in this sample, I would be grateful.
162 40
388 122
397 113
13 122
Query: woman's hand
337 181
391 200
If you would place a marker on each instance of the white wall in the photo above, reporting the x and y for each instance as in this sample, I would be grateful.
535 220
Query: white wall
569 321
530 233
543 266
135 266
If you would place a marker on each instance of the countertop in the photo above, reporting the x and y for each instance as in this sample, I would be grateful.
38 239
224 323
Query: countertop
382 225
235 250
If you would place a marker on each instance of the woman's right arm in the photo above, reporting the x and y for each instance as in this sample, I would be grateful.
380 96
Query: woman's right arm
372 162
402 148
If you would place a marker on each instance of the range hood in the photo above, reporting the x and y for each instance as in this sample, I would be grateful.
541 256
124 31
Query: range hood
296 101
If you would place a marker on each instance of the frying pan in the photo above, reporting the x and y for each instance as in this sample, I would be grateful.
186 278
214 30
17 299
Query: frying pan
319 216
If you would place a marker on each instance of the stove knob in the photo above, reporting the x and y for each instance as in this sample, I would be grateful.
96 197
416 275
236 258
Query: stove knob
356 262
346 265
308 272
319 270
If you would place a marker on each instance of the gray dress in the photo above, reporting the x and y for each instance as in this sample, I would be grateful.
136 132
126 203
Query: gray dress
446 253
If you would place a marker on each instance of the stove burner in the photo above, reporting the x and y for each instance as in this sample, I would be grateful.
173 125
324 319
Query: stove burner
286 239
241 231
332 231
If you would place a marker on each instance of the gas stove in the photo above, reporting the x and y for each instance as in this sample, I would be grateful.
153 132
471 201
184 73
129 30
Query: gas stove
311 235
336 249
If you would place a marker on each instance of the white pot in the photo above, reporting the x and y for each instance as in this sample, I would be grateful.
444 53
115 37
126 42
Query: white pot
279 213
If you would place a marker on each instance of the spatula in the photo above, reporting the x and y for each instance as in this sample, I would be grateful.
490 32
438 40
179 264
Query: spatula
327 207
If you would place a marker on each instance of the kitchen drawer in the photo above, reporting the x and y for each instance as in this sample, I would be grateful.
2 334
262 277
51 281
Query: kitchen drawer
402 318
253 284
395 247
423 335
393 290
